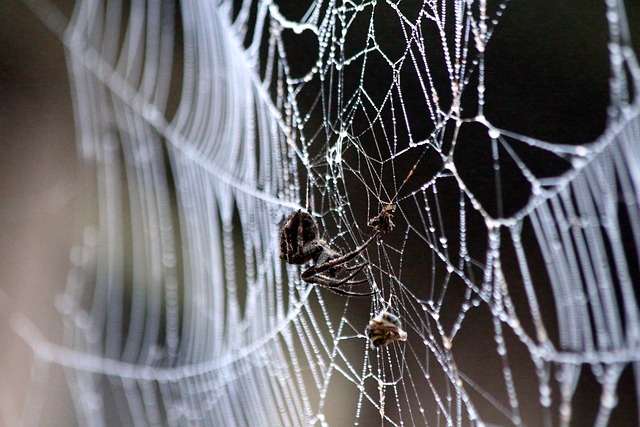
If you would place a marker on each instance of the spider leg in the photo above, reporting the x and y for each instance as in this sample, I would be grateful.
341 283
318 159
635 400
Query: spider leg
353 267
330 284
333 283
342 259
314 273
355 282
350 294
355 270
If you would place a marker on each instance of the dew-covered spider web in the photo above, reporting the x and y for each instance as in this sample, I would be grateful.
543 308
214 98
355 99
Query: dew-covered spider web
505 133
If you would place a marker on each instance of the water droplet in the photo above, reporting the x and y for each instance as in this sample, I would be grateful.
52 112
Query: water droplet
494 133
608 399
581 151
446 342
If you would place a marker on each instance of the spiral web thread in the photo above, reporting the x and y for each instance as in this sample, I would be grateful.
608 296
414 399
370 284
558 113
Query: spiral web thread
178 309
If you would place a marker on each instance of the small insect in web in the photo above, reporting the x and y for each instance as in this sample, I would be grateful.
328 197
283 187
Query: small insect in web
300 242
384 329
383 222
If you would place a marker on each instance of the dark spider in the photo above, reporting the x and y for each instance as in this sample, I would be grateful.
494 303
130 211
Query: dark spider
300 242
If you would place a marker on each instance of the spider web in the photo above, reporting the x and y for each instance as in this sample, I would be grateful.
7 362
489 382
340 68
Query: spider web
513 264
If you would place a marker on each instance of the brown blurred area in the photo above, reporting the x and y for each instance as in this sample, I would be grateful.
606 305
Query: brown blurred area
37 190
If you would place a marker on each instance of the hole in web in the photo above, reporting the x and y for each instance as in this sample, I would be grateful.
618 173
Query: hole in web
242 255
177 70
251 21
626 411
500 186
295 11
555 89
301 51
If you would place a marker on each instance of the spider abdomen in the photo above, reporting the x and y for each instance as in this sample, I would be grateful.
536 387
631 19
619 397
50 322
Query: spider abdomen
300 243
299 238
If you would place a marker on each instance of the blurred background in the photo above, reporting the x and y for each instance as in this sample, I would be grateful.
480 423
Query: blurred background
37 191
